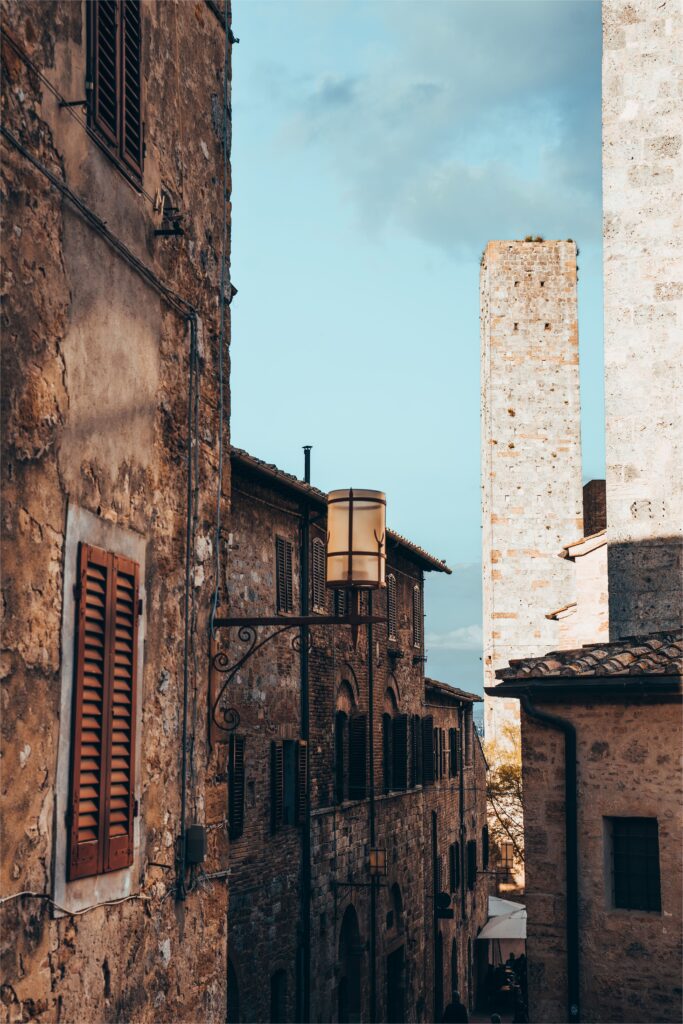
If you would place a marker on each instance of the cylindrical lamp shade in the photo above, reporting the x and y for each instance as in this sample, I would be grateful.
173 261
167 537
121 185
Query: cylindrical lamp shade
356 539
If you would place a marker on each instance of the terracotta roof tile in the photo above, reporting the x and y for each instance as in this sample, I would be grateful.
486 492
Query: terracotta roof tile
656 654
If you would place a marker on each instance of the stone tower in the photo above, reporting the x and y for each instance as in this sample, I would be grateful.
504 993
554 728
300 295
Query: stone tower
642 175
531 450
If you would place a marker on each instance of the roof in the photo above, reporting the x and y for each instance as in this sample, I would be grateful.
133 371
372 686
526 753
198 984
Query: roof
452 691
583 545
657 654
318 497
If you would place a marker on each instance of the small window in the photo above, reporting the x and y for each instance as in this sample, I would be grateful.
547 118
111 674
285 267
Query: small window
453 753
283 575
428 760
288 781
415 750
358 757
392 612
417 616
634 859
318 589
114 79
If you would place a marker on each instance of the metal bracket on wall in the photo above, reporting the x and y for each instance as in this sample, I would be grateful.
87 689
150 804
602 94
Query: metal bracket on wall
224 719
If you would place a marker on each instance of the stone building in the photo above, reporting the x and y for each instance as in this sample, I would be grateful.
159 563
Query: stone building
531 450
411 784
115 138
642 177
603 812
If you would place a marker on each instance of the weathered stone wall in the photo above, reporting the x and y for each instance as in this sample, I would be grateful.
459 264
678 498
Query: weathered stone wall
627 757
265 882
95 385
531 450
643 287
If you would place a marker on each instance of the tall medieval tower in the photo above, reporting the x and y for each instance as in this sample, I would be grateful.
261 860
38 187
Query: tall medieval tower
531 451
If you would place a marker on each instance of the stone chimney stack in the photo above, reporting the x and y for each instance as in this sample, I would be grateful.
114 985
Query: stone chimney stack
531 451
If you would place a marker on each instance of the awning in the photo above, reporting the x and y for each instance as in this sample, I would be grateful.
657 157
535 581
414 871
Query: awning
498 906
505 926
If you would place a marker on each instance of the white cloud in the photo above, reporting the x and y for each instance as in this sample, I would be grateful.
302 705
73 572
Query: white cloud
464 638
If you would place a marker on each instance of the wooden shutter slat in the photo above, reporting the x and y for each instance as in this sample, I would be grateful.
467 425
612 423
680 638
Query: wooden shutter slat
236 786
428 749
358 758
277 784
105 71
131 126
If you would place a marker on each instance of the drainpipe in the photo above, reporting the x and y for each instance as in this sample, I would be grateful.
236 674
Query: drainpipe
461 722
305 729
572 842
373 878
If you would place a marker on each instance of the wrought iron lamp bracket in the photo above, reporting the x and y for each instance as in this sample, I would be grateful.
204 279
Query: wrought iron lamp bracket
227 719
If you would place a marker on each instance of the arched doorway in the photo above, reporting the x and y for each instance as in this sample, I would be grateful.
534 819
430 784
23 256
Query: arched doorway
233 995
395 963
350 953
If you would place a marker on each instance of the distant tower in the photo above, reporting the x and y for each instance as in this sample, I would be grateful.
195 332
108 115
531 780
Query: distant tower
531 450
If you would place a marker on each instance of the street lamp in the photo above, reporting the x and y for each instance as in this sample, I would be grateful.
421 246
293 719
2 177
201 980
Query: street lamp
356 561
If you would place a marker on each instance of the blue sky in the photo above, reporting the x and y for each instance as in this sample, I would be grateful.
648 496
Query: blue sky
377 147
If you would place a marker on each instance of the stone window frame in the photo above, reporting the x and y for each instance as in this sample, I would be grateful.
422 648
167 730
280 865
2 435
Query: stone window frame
84 526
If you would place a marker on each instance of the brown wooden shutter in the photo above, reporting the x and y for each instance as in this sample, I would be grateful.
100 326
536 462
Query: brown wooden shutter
417 616
301 780
236 786
340 600
104 712
485 847
427 750
358 757
104 24
392 616
131 124
283 573
319 592
454 864
453 752
400 751
276 785
471 863
120 799
415 774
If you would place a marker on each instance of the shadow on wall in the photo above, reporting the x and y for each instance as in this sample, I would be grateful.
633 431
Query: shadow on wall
645 586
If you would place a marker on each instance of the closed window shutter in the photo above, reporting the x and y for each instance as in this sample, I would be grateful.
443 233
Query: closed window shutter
301 780
392 616
318 576
427 750
400 751
358 758
387 753
123 696
485 847
452 769
444 754
236 786
283 573
340 757
104 712
104 17
455 866
417 616
131 125
276 785
471 863
414 736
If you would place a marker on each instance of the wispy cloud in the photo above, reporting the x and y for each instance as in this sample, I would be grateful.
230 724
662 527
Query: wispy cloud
464 638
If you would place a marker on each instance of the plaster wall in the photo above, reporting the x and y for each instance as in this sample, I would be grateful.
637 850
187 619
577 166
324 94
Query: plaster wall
531 451
627 762
643 303
94 405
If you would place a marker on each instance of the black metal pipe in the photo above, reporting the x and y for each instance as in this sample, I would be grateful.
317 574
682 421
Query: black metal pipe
571 854
305 732
373 880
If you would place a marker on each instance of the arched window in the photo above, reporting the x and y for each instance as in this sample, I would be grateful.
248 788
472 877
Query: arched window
392 610
394 745
418 623
350 747
318 591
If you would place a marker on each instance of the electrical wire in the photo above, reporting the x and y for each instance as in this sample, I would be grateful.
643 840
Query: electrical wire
74 913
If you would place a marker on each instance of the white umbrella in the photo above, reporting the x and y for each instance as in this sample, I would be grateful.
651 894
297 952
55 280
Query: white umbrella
497 906
505 926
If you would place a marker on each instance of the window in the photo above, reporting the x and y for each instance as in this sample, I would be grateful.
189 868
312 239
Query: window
387 753
485 847
114 81
471 863
417 616
358 757
288 779
427 750
278 997
319 592
454 866
392 612
341 739
415 750
102 804
236 786
453 753
283 575
634 859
